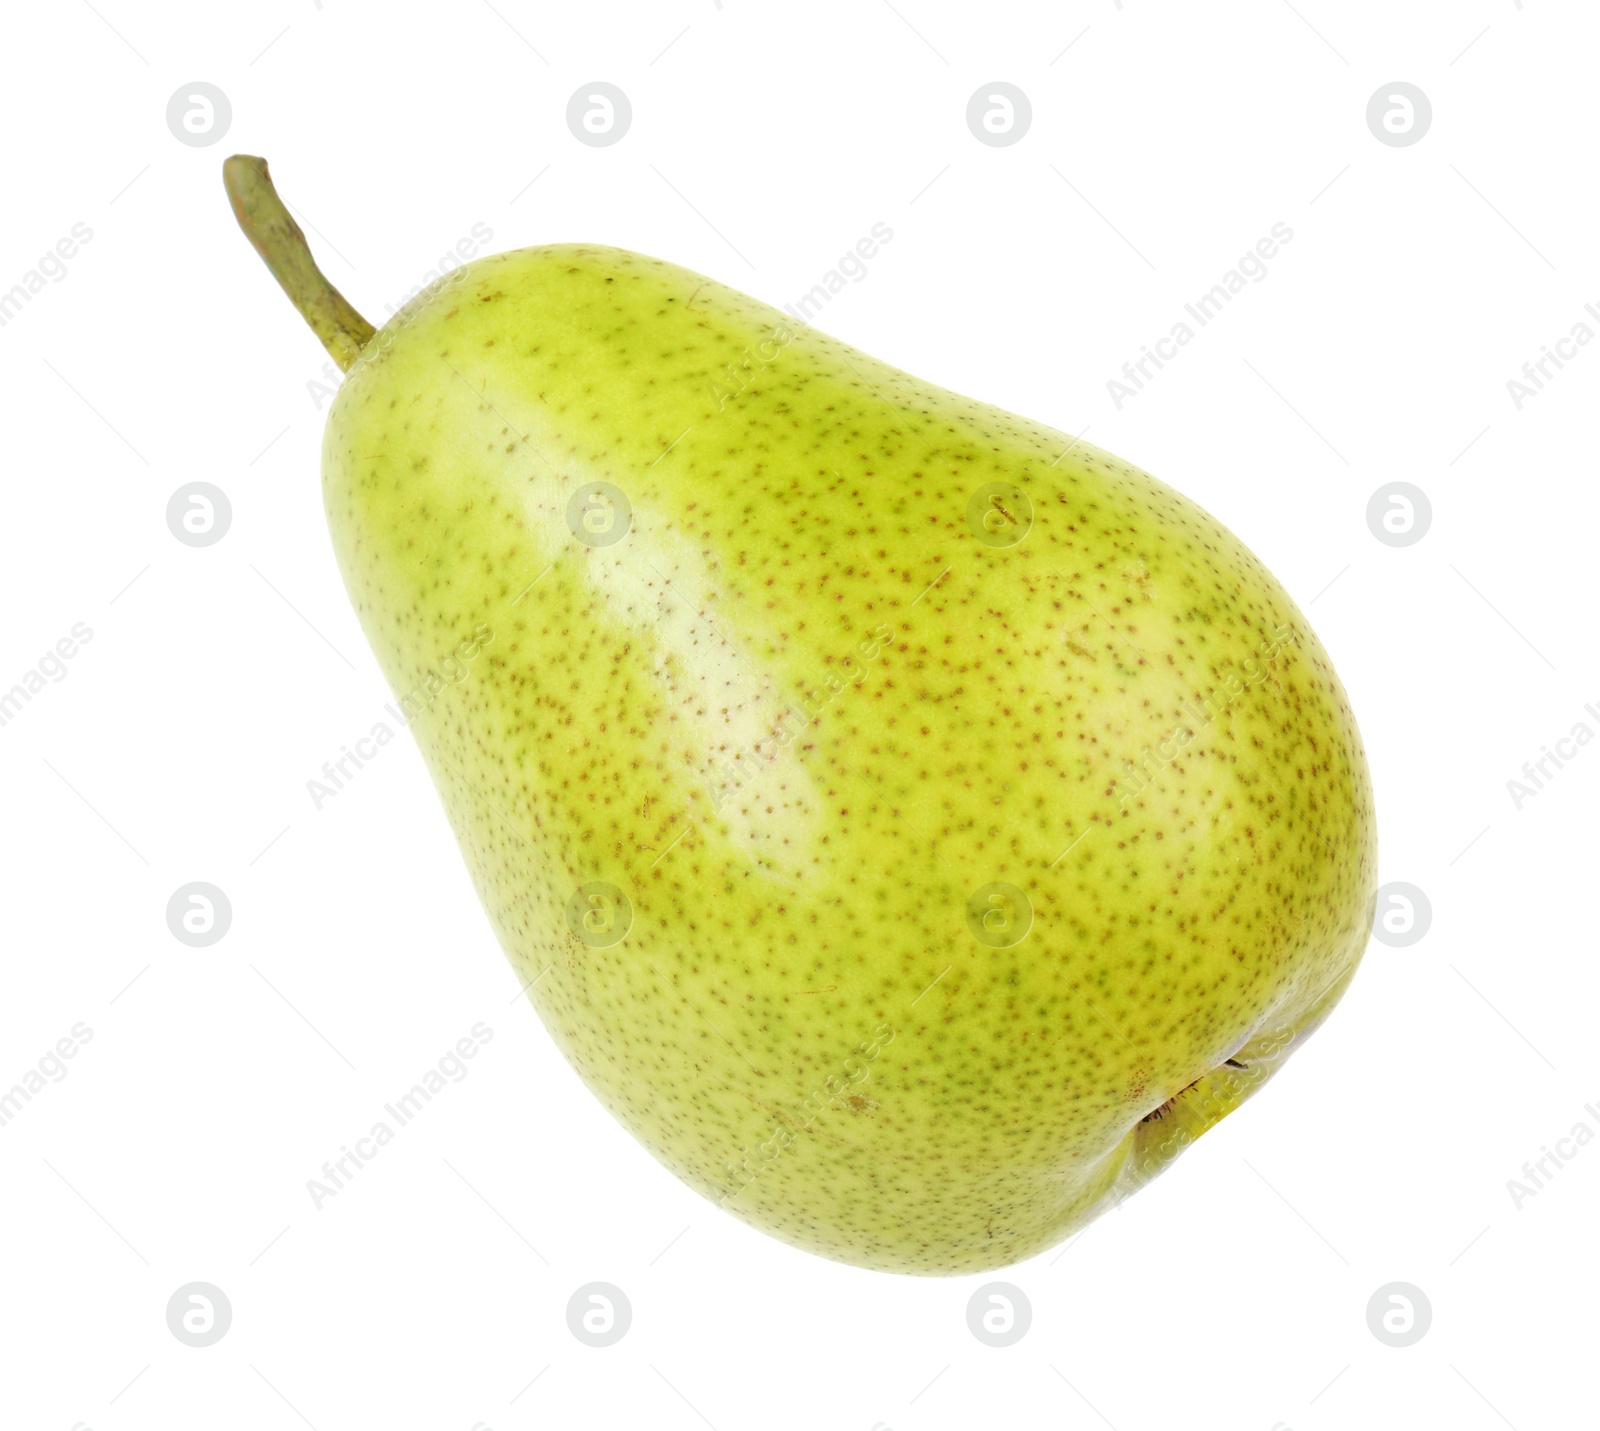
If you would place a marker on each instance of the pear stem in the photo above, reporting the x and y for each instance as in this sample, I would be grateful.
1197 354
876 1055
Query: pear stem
268 225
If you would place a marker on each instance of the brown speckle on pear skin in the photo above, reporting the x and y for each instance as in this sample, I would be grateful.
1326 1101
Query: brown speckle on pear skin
799 714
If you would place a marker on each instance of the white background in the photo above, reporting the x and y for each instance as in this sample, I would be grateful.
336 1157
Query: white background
767 139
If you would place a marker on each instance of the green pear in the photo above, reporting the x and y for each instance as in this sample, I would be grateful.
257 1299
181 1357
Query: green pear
915 825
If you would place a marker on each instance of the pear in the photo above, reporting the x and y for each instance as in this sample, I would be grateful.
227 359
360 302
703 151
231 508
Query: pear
915 825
